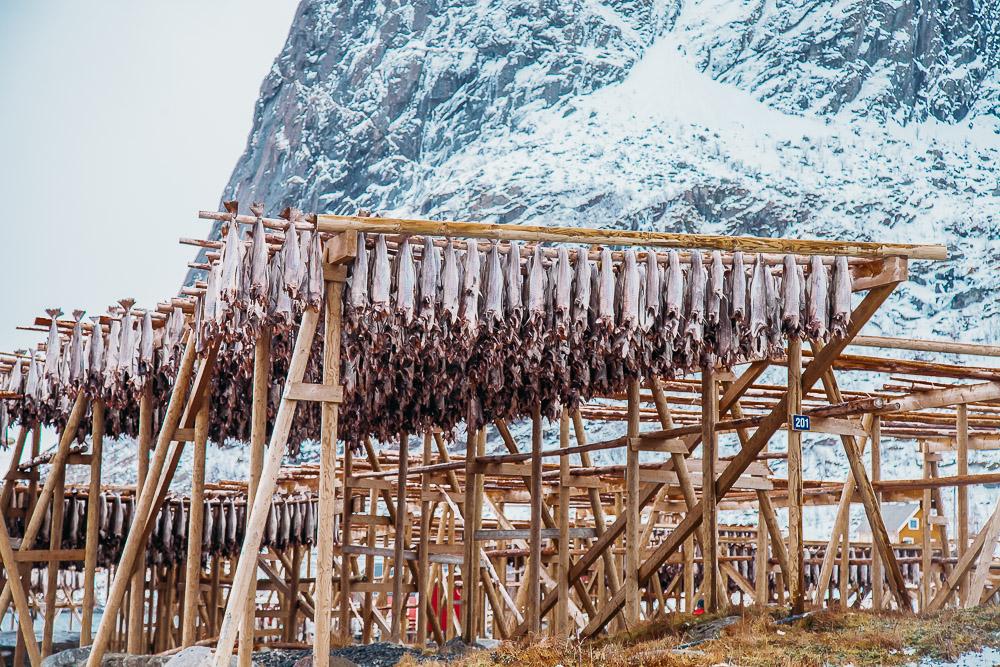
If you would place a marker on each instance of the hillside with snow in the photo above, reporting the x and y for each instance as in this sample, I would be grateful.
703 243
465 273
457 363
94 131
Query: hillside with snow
869 120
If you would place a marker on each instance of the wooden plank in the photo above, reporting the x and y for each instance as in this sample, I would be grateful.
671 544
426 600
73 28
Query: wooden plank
424 608
945 346
877 572
938 398
247 563
796 565
965 561
337 223
93 521
323 393
50 555
655 444
52 570
835 426
670 477
977 585
501 534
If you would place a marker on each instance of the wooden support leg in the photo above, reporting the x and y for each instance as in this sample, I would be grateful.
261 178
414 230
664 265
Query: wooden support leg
196 518
877 572
925 532
962 504
247 565
52 571
796 583
709 457
632 510
399 541
93 521
534 615
16 586
761 562
423 555
258 439
562 623
966 561
137 598
346 530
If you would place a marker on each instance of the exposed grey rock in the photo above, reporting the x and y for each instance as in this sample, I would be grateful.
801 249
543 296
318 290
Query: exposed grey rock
68 658
192 656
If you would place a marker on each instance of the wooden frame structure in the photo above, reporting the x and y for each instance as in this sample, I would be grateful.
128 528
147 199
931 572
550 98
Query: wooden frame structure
416 547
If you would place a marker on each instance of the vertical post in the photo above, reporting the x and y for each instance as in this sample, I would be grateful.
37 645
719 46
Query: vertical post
761 562
962 459
137 599
196 519
562 576
796 574
709 456
55 543
877 572
632 508
345 561
258 438
689 591
399 543
330 414
925 532
93 532
423 556
534 615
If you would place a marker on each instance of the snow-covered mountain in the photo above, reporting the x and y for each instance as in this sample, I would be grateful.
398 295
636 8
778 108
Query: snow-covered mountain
855 119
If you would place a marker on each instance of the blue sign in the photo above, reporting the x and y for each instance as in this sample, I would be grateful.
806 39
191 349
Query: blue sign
800 422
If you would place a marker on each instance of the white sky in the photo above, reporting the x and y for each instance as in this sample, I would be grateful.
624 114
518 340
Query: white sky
118 121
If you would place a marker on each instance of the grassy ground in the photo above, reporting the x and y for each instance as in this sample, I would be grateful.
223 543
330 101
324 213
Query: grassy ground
755 640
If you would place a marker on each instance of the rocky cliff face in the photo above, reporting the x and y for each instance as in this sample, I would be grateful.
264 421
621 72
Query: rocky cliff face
858 119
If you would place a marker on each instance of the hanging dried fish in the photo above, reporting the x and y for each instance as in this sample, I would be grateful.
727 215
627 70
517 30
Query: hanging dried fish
630 292
738 299
53 346
758 307
840 301
469 312
582 294
259 253
514 282
695 309
406 282
450 284
606 290
382 279
145 366
790 288
357 294
654 277
232 258
291 262
674 295
77 360
716 284
563 292
818 305
493 315
430 276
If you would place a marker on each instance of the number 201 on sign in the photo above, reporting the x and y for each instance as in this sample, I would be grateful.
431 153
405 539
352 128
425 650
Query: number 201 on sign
800 422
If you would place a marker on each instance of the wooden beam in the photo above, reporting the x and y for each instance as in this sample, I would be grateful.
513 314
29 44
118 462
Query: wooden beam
424 608
796 565
938 398
965 562
562 623
962 493
947 347
479 230
877 571
16 585
399 542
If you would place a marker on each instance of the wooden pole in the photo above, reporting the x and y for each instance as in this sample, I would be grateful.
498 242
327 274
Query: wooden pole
534 615
796 582
709 458
196 520
347 512
962 504
562 623
246 568
877 571
93 521
52 571
328 484
632 510
137 589
258 440
423 555
399 542
136 542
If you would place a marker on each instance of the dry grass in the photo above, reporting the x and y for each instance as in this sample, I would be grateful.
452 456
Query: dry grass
755 640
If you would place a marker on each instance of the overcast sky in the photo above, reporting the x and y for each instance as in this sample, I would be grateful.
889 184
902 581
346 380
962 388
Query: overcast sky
119 121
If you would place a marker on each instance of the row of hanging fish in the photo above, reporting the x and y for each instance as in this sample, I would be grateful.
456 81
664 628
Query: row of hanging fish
430 331
291 521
